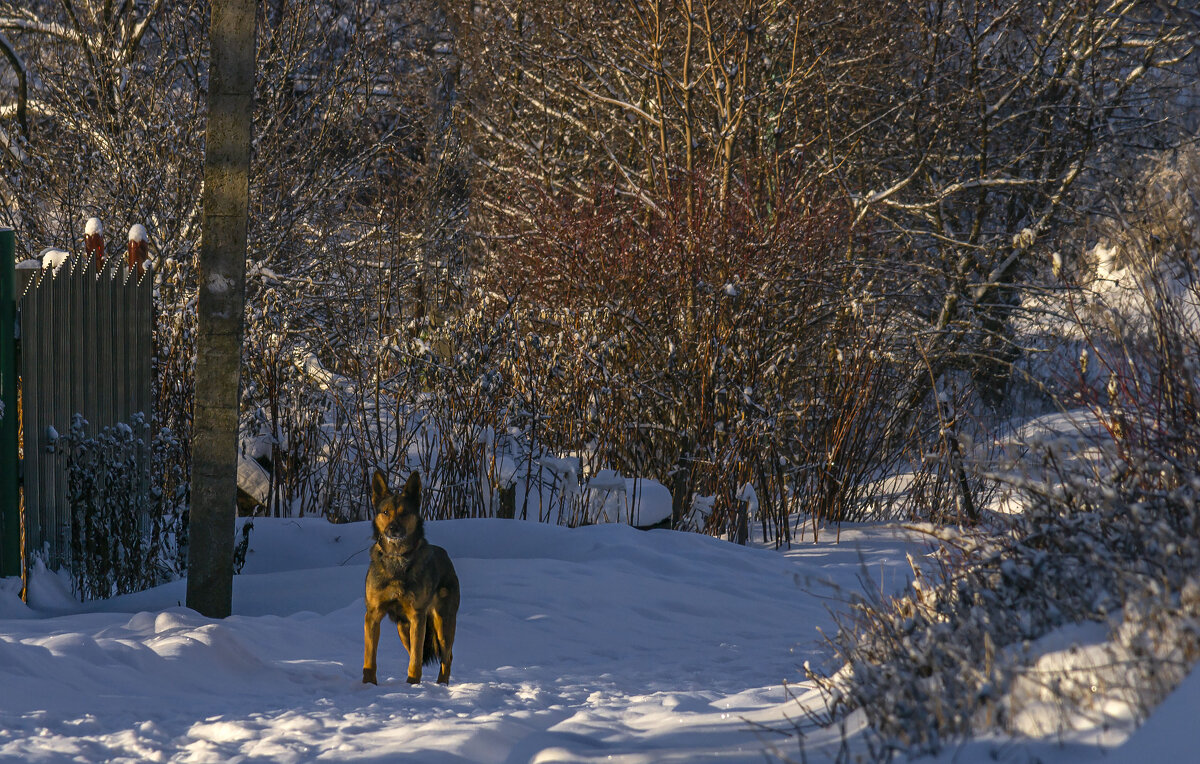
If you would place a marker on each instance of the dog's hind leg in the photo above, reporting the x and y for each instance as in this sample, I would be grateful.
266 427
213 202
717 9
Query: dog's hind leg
443 630
370 644
416 645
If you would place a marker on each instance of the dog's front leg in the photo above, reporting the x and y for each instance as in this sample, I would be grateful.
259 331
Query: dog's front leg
416 646
370 644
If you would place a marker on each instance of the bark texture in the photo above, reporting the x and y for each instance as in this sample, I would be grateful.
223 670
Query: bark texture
221 303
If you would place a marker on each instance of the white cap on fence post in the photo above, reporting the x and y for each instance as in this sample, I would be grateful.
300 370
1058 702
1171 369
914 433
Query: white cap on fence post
138 248
93 240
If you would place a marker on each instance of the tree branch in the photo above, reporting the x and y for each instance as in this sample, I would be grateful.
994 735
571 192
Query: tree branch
22 83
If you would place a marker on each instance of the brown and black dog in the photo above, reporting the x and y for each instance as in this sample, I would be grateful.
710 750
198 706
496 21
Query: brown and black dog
410 580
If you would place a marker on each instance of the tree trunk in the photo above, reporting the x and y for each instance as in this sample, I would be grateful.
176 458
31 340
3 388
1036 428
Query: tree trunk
221 304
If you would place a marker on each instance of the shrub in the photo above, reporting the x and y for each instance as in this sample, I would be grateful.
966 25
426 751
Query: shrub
1109 532
715 342
129 511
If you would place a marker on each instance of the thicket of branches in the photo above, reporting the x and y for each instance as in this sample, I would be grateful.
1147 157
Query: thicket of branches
338 133
1108 533
128 508
945 151
706 242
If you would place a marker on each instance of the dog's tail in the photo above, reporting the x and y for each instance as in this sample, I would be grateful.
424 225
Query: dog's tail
432 652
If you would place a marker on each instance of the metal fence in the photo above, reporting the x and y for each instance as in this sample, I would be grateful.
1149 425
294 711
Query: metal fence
85 347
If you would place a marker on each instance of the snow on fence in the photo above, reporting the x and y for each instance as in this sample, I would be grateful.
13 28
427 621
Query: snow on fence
85 347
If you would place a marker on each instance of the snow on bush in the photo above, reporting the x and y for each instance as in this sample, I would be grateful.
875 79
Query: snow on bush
953 657
1109 535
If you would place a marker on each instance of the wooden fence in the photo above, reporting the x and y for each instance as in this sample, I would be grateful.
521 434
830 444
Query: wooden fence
85 347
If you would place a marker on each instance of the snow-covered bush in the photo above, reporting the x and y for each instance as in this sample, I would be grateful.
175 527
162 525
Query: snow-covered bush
1110 536
128 506
939 662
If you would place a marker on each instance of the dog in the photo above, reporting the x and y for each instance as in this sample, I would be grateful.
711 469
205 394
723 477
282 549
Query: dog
410 580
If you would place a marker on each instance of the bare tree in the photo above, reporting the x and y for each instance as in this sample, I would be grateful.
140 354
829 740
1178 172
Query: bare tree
336 177
643 92
998 126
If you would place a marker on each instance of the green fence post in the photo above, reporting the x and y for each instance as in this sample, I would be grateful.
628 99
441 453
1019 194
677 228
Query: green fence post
10 511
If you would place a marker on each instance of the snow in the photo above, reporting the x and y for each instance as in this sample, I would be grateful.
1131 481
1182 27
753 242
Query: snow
1106 261
137 232
93 226
1079 654
702 506
1170 733
637 501
599 643
748 495
594 643
565 468
308 362
255 446
606 480
253 479
53 257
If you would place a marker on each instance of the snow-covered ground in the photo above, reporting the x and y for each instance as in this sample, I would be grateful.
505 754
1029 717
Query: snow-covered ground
600 643
573 645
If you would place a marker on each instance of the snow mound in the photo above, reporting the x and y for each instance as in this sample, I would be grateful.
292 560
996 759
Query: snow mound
589 644
636 501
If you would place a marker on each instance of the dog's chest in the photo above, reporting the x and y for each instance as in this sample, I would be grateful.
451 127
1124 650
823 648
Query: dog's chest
394 579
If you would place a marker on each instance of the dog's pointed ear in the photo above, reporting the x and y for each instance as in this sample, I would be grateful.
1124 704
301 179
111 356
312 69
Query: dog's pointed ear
379 488
412 489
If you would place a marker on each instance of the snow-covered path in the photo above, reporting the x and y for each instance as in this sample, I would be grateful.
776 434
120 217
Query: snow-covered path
595 644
